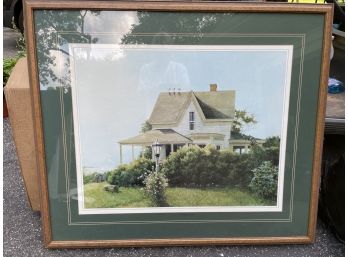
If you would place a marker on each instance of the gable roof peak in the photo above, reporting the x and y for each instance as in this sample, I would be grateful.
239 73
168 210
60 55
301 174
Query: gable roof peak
168 108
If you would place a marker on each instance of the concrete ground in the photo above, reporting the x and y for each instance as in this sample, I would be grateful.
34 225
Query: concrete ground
23 236
22 228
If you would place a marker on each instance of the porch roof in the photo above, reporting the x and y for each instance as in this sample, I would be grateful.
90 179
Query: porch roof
164 136
207 136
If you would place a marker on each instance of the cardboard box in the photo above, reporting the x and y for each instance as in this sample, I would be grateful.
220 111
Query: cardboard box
18 99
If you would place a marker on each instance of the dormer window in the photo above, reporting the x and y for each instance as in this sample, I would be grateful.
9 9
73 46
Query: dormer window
192 120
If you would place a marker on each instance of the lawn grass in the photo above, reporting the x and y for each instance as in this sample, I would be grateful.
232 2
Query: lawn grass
180 197
96 197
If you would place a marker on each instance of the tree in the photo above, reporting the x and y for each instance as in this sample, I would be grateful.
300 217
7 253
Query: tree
51 42
178 23
269 151
242 119
272 142
146 126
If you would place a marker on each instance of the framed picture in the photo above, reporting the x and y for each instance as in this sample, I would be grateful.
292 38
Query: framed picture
178 123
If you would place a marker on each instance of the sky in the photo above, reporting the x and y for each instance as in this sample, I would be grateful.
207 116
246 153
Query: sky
117 88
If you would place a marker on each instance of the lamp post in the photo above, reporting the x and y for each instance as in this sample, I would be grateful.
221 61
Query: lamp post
156 149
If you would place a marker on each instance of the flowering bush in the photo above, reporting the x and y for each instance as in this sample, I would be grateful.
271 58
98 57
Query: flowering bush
155 185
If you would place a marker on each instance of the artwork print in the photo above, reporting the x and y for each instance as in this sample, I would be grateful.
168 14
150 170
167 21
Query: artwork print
186 123
176 128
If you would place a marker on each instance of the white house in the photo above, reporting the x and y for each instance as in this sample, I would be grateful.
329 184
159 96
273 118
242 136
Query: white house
198 118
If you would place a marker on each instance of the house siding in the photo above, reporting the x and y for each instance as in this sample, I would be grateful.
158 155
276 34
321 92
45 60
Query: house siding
183 128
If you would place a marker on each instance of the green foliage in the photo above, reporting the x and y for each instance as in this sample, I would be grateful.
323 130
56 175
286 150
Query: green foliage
88 178
156 184
20 41
97 197
265 181
146 153
241 119
146 126
132 174
111 188
217 196
272 142
94 177
241 171
8 65
268 152
196 167
172 22
48 24
207 167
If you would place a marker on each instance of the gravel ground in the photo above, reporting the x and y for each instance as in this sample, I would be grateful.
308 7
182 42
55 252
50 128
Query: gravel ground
22 229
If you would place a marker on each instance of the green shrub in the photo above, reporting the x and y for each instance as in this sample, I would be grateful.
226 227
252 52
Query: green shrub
188 167
265 181
260 154
8 65
241 170
156 184
196 167
132 174
146 153
94 177
272 142
111 188
88 178
192 166
272 155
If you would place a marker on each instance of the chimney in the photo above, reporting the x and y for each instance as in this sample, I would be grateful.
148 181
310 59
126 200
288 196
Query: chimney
213 87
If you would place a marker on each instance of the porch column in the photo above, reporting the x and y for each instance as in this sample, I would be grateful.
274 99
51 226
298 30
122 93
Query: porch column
171 148
120 153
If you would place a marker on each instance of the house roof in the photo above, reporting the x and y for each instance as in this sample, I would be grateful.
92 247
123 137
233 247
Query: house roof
214 105
164 136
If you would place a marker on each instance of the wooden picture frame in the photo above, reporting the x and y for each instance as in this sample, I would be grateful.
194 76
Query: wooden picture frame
183 228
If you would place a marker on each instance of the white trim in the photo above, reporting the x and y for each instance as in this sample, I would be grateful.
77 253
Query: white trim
246 48
283 135
180 209
78 157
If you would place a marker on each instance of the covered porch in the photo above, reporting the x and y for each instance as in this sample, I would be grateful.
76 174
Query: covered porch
169 139
204 139
242 145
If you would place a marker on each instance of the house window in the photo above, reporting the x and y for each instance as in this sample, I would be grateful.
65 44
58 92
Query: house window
239 149
192 120
218 147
